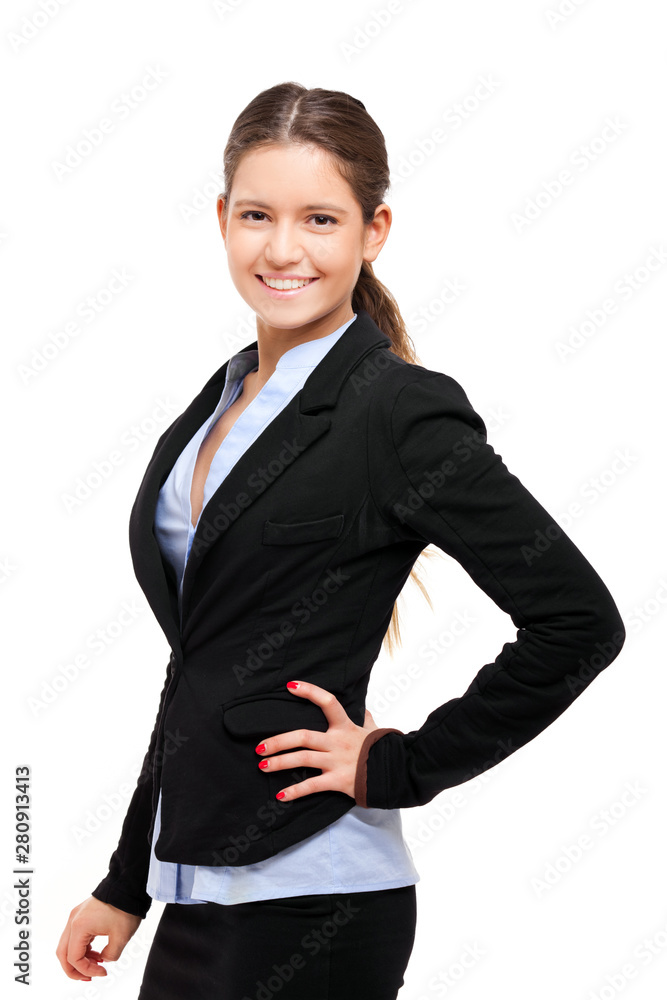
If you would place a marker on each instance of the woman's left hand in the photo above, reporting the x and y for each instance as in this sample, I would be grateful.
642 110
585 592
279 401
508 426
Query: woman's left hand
335 752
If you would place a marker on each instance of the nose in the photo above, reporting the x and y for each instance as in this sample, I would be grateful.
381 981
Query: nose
283 245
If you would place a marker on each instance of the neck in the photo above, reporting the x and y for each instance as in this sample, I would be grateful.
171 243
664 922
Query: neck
273 342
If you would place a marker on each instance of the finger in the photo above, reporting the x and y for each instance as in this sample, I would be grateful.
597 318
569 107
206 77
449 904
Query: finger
305 787
77 953
61 954
295 738
369 722
327 701
114 947
300 758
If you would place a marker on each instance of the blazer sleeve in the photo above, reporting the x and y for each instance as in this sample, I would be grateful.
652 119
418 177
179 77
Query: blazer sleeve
439 481
125 884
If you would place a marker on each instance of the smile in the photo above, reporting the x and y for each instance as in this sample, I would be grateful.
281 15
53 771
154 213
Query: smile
286 283
285 288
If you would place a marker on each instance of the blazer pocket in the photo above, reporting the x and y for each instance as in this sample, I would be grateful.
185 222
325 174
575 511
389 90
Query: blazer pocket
265 717
276 533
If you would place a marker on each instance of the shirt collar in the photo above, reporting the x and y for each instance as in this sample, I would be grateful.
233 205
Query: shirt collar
306 355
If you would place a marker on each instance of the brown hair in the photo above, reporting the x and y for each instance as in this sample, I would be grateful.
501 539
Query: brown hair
339 124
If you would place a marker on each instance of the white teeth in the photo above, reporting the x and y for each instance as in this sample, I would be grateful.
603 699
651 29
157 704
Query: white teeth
282 283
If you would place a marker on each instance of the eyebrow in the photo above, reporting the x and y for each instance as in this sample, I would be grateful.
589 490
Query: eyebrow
307 208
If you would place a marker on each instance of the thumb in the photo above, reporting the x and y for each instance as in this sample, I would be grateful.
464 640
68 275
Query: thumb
113 949
369 722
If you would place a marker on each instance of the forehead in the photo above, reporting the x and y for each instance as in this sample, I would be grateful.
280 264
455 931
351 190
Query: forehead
290 174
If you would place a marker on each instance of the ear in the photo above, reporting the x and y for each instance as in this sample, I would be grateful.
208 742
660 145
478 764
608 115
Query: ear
377 232
221 218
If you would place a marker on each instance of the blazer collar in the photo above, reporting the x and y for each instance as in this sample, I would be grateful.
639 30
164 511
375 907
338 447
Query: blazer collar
301 422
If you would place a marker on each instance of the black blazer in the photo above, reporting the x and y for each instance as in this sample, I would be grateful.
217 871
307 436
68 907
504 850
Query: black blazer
296 564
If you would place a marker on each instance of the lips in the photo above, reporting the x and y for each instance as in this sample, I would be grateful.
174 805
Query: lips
265 278
286 293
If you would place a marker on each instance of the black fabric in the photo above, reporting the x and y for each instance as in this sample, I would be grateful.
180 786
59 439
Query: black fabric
334 946
295 566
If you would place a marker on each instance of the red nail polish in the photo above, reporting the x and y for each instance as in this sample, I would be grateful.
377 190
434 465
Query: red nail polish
263 763
280 795
293 684
261 748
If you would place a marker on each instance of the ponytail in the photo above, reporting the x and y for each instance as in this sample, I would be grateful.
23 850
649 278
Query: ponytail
370 294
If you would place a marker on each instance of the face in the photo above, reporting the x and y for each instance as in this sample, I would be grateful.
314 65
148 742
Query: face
292 216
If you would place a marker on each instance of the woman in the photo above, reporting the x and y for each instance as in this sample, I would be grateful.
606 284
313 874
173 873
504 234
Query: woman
278 520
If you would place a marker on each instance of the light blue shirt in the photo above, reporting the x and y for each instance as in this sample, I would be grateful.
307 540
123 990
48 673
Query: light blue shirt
362 850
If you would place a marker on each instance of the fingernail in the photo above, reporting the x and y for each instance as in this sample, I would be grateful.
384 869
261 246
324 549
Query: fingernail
293 684
261 748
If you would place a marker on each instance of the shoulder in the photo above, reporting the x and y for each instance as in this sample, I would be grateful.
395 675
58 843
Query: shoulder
402 393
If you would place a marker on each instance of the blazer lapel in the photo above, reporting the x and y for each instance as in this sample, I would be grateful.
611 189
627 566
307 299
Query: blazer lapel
280 444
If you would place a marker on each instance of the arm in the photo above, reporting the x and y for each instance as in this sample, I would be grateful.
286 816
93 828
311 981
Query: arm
125 885
438 480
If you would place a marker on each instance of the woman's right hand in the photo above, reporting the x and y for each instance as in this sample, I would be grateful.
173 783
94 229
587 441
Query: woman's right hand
86 921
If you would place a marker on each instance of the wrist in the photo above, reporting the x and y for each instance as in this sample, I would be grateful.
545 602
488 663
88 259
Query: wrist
361 776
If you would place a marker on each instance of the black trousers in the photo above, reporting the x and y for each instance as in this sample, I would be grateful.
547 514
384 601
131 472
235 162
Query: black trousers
336 946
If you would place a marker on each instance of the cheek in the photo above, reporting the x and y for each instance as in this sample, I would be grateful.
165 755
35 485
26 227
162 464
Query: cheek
333 257
237 271
242 251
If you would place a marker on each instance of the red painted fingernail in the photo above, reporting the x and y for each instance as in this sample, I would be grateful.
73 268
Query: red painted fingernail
280 795
263 763
293 684
261 748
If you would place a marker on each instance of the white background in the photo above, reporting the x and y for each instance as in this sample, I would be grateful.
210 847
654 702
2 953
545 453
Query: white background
560 421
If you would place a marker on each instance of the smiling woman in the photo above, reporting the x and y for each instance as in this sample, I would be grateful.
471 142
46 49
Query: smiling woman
276 215
278 521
